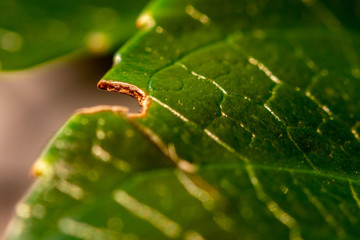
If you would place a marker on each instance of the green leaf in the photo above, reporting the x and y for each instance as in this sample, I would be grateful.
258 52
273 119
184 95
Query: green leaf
249 130
33 32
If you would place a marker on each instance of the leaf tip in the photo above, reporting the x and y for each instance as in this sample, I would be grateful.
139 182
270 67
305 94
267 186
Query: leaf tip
130 90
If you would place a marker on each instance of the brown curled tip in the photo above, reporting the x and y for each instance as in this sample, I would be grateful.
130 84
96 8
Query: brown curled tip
128 89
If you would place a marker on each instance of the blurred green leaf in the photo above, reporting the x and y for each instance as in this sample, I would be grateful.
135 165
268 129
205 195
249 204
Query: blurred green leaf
250 130
33 32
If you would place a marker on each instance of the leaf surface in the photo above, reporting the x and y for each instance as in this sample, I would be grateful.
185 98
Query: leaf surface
249 130
34 32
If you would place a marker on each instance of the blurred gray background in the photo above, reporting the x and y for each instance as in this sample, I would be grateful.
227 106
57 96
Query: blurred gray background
33 105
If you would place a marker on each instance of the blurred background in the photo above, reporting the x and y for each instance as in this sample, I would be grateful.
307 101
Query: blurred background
33 105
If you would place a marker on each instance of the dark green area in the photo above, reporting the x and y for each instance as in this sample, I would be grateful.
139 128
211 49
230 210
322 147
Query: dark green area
33 32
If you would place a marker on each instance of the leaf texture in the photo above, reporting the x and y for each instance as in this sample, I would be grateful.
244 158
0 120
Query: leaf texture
249 130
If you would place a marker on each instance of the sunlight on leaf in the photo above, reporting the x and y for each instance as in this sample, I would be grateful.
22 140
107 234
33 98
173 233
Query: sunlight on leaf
249 130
